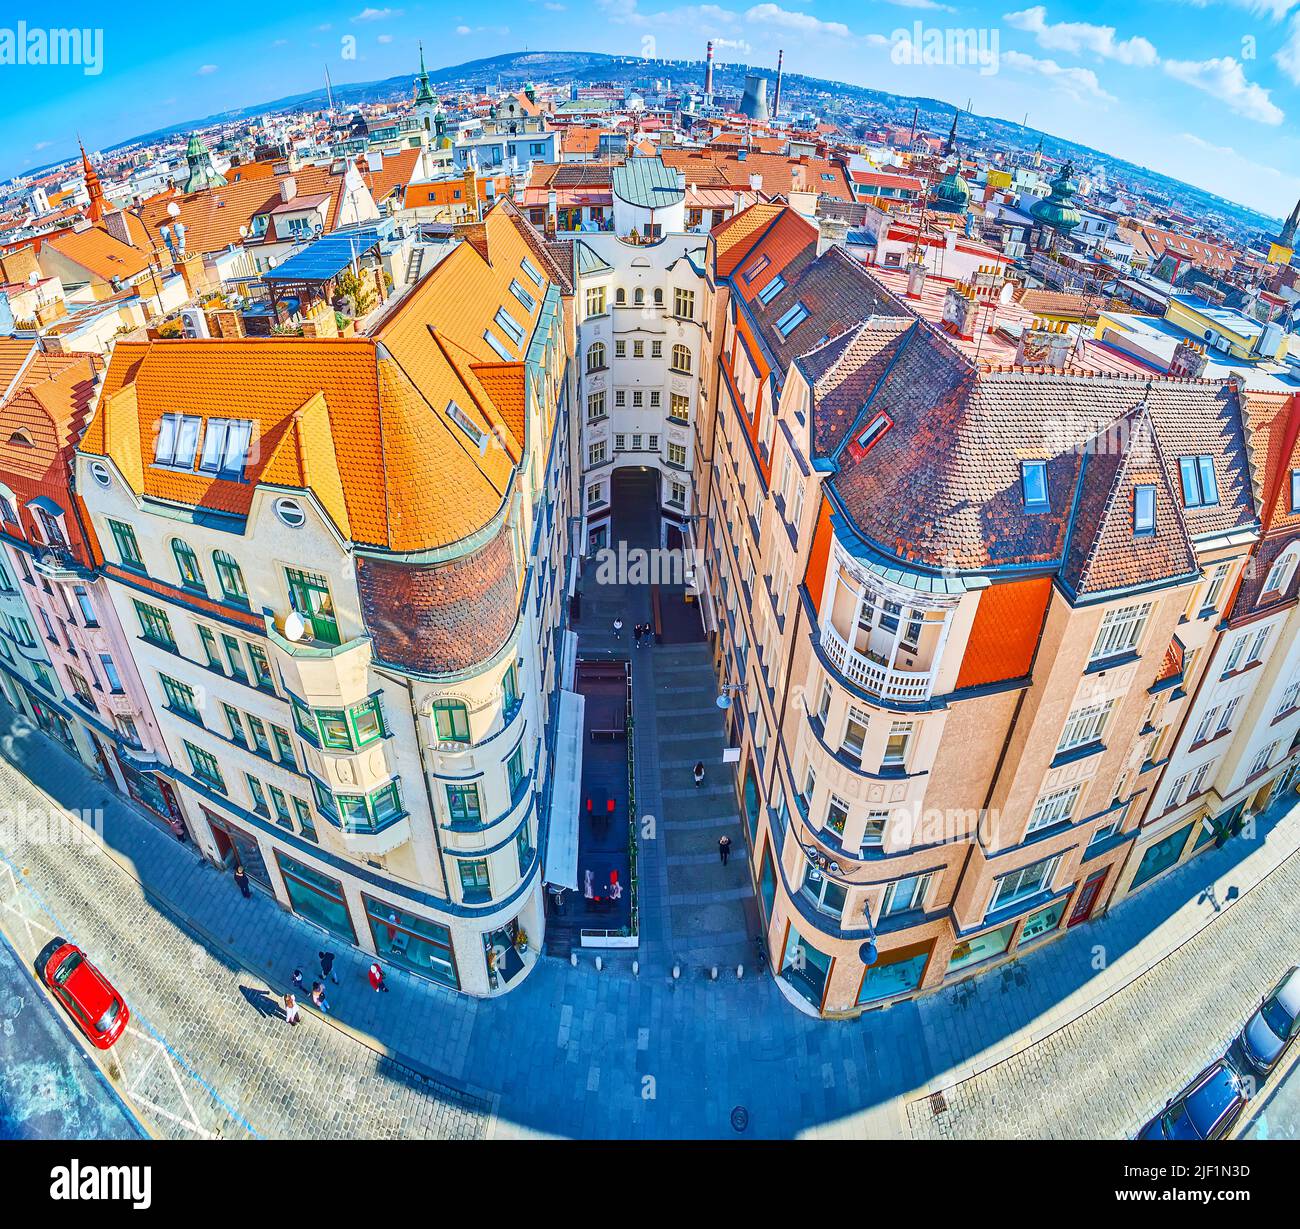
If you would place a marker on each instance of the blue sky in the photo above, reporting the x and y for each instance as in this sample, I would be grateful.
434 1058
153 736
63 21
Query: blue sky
1206 90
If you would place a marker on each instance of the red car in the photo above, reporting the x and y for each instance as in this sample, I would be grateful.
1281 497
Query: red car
100 1012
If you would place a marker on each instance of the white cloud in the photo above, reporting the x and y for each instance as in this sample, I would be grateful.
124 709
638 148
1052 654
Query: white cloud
774 15
1223 78
1080 36
1288 57
280 42
369 14
384 38
206 70
738 45
922 4
42 145
1080 84
464 30
552 7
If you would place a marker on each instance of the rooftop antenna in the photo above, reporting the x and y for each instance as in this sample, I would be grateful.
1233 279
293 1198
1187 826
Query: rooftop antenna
329 91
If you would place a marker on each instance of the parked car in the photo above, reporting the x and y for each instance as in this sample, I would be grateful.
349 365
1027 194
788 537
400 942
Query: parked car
100 1012
1205 1109
1274 1026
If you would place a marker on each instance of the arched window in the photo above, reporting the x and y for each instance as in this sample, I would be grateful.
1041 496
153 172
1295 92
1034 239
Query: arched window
659 296
639 297
1279 575
620 296
595 356
230 578
451 720
188 564
681 359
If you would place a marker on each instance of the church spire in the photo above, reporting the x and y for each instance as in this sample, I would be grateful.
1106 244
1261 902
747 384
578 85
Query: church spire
950 145
423 94
1287 237
94 189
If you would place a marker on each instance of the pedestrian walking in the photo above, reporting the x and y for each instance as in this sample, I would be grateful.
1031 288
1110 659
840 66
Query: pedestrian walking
297 980
178 829
377 982
291 1012
618 627
699 773
636 634
241 878
724 848
327 967
318 998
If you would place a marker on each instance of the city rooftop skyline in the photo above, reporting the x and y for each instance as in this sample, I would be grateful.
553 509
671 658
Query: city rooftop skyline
1202 90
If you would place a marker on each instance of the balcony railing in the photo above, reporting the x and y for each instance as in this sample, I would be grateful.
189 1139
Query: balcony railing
905 685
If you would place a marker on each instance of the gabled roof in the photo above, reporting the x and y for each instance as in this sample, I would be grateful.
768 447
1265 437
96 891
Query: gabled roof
102 255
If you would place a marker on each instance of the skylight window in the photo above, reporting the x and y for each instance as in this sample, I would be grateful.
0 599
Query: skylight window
756 268
501 351
178 440
509 326
771 290
1200 488
1144 510
1033 483
522 295
792 319
463 421
225 447
533 275
875 429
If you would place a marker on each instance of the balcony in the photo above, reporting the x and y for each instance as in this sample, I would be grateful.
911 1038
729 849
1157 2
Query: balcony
323 675
908 686
57 562
362 844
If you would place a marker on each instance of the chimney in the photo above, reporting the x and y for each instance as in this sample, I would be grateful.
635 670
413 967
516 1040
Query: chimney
471 192
831 232
1189 360
1044 344
756 184
959 310
225 322
915 279
708 73
776 101
381 286
288 189
115 224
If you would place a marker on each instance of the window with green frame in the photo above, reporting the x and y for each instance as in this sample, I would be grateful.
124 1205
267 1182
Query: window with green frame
235 723
206 767
281 805
305 722
346 729
155 626
209 642
474 883
309 594
187 563
463 804
524 848
515 770
362 812
180 697
283 745
451 721
261 668
261 744
128 549
306 824
258 794
230 577
510 689
235 656
325 802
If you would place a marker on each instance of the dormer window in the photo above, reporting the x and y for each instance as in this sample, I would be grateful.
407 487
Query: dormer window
1295 490
1144 511
756 268
1200 488
178 440
23 438
225 448
771 290
1033 485
463 421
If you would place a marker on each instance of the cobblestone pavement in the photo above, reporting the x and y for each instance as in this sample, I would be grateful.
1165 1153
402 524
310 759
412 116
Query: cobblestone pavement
1277 1114
605 1054
1107 1072
50 1088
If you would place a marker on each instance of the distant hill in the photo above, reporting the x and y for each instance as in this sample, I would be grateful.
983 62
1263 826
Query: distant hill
513 69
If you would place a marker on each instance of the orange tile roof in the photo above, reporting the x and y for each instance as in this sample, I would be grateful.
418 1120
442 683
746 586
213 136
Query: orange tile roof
98 252
1005 632
364 422
575 139
14 352
734 238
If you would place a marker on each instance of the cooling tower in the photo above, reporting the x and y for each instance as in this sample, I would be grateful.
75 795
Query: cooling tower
754 103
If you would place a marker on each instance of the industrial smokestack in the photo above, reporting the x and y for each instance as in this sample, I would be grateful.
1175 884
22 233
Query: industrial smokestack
708 73
776 101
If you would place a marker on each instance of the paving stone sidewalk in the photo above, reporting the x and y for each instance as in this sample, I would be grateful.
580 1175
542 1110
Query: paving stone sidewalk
606 1055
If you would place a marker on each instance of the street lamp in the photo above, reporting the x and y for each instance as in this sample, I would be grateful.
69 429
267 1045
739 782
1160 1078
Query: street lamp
724 698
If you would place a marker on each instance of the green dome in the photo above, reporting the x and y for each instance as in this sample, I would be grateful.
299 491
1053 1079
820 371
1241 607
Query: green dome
951 194
1058 210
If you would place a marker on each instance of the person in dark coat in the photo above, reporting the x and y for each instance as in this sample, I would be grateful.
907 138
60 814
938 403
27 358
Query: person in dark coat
241 878
327 966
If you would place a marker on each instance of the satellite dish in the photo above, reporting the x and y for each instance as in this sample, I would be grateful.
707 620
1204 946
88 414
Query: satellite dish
173 209
295 627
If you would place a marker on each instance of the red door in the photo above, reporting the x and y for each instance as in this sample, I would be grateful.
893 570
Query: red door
1087 900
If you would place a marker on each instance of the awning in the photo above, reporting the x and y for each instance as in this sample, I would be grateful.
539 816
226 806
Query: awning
566 793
